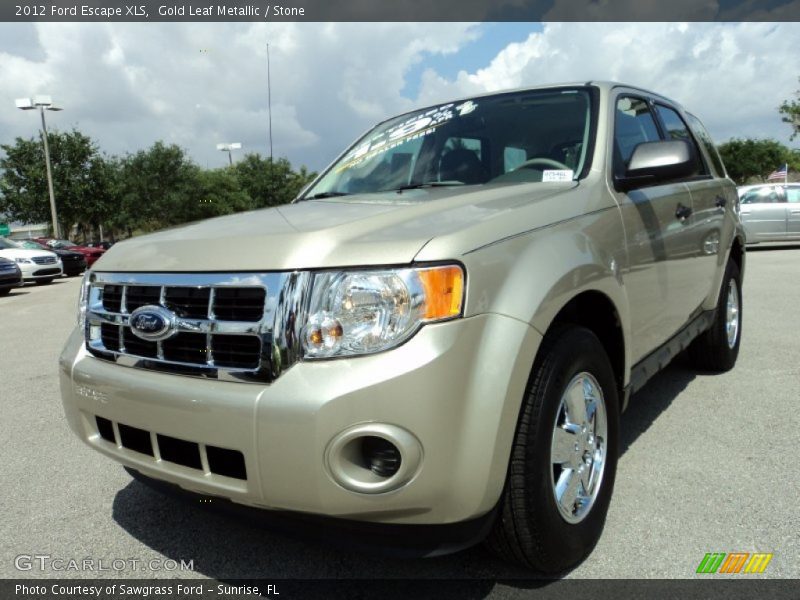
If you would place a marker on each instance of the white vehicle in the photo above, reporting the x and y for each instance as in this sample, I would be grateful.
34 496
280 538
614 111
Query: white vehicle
39 266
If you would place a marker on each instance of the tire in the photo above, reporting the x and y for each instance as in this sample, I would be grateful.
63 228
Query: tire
5 291
530 528
713 350
44 281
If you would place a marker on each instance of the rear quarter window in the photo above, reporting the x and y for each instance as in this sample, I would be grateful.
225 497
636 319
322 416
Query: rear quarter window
705 139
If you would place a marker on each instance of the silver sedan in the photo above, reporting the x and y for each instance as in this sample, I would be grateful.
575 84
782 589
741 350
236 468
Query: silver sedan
770 212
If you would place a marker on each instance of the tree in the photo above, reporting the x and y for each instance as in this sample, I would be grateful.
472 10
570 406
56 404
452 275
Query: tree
747 159
218 193
270 184
81 180
791 114
151 189
156 188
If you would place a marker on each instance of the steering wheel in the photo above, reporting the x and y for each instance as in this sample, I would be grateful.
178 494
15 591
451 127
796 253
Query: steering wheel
547 162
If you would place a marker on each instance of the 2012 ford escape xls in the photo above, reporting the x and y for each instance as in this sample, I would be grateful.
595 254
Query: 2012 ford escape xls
441 331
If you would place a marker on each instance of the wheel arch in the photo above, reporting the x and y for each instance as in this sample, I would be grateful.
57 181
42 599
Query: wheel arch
597 312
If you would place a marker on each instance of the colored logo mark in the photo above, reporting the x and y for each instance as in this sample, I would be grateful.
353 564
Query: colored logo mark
735 562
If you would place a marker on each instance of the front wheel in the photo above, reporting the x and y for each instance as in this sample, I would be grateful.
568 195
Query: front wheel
718 348
564 458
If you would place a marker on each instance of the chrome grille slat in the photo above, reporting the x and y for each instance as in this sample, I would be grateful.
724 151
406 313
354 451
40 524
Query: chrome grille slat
246 350
45 260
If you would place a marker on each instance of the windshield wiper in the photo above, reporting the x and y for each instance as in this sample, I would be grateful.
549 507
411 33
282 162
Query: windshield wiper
325 195
416 186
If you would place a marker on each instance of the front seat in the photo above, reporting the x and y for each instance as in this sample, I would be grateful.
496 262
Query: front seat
462 165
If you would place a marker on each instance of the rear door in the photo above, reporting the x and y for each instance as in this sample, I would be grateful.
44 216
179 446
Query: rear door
793 210
711 194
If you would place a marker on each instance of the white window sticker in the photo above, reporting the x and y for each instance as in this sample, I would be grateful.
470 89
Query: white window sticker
557 175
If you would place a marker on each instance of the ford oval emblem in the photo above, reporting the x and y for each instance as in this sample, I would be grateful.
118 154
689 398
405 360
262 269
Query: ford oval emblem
152 323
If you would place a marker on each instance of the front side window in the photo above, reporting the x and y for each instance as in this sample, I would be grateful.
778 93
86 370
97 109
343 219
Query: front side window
633 125
504 138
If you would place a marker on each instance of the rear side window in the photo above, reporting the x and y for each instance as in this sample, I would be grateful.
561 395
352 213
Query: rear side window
708 144
633 125
793 194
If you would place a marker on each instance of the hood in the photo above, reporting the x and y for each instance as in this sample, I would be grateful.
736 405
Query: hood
367 229
13 253
68 254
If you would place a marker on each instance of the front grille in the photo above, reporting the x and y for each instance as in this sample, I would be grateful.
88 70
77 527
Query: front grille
7 267
237 326
221 461
44 260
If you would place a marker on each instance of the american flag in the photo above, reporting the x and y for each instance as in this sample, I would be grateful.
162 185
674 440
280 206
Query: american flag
780 173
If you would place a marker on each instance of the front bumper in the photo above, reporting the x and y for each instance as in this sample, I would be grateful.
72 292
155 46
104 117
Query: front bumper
33 272
456 387
11 279
74 267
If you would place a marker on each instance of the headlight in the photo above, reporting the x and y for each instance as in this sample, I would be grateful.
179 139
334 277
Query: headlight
24 261
363 312
83 299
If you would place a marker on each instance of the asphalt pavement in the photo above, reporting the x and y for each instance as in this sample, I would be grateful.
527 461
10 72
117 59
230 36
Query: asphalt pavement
709 464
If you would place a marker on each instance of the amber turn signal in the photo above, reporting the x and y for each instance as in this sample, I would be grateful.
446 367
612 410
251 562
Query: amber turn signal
444 291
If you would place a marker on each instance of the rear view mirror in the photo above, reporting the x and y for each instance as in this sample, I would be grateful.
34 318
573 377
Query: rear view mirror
656 162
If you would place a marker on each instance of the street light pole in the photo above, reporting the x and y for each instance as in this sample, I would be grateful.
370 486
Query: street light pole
229 149
53 215
44 103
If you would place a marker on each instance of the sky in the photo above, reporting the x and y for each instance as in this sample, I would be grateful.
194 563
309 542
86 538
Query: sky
128 85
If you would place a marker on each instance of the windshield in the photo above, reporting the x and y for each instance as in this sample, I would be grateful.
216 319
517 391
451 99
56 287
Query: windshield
27 245
6 244
515 137
61 244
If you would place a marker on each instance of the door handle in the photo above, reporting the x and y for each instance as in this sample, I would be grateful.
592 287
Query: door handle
721 201
796 212
683 212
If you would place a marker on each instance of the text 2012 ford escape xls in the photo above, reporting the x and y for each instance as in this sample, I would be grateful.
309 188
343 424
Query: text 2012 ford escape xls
440 333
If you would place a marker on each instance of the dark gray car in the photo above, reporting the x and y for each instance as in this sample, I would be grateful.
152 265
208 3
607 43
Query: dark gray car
10 276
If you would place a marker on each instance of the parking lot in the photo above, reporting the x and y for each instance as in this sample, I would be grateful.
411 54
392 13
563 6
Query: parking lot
709 464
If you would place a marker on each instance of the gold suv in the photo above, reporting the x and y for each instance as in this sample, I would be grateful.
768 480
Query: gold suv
438 335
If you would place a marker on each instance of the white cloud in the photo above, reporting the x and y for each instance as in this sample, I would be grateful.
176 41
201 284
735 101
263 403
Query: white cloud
128 85
733 76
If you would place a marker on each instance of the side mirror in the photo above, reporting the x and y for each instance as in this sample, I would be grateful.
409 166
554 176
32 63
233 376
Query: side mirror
656 162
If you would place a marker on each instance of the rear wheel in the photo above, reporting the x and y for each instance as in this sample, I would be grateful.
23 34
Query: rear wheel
564 458
718 348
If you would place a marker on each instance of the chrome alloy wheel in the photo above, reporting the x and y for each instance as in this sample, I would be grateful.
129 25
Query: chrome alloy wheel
578 449
732 313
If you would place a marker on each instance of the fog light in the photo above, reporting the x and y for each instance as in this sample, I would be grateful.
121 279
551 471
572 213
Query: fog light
380 456
373 458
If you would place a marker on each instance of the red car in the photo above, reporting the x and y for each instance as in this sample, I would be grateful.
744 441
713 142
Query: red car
91 254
